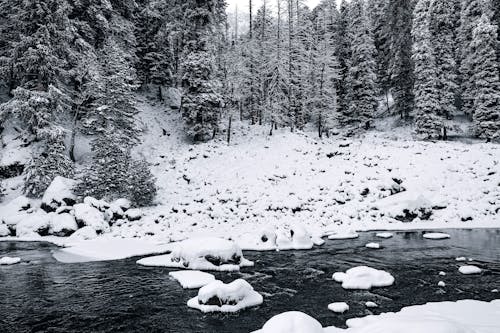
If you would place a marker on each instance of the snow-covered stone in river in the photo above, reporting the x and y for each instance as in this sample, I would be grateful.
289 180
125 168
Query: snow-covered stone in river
296 237
384 234
86 215
62 224
338 307
9 260
442 273
345 234
441 284
461 259
363 277
373 245
436 235
371 304
59 193
192 279
292 322
469 269
34 224
220 297
207 253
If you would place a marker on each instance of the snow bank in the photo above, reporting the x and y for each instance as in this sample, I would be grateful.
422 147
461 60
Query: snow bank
219 297
206 253
344 234
107 248
363 277
192 279
436 235
15 210
338 307
469 269
59 193
292 322
465 316
9 260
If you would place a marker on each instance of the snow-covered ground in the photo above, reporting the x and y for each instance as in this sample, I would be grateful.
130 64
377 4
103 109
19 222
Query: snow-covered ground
284 191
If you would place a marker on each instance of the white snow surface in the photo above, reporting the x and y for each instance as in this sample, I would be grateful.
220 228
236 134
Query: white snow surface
91 217
465 316
384 234
373 245
60 188
234 296
9 260
338 307
363 277
107 248
469 269
192 279
436 235
202 253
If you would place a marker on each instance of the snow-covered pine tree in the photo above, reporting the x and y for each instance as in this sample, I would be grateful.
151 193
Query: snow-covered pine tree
362 90
427 121
343 54
201 100
471 11
443 31
486 119
400 64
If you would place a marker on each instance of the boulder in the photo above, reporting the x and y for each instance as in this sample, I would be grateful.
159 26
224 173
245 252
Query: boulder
87 215
59 193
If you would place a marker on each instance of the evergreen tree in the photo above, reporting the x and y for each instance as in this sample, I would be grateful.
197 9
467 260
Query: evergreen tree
343 54
362 93
428 123
487 82
401 66
442 29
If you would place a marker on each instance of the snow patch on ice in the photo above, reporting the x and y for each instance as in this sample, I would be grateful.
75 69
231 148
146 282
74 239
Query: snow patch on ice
9 260
192 279
436 235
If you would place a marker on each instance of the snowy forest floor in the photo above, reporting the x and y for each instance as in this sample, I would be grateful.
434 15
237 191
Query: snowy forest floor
383 180
380 181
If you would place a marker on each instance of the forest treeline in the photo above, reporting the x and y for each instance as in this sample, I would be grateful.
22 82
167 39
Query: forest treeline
73 67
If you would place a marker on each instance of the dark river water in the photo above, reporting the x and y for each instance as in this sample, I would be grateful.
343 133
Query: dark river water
43 295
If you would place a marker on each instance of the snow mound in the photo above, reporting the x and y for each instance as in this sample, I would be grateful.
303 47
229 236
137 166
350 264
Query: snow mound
371 304
292 322
373 245
220 297
405 206
4 230
59 193
9 260
87 215
441 284
384 234
207 253
363 277
436 235
295 237
85 233
469 269
106 248
192 279
15 210
338 307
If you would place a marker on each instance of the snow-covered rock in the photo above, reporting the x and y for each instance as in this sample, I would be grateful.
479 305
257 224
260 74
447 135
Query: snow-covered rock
292 322
206 253
363 277
373 245
9 260
133 214
15 210
101 205
371 304
4 230
469 269
441 284
442 273
35 224
87 215
59 193
85 233
220 297
436 235
296 237
405 206
192 279
384 234
62 224
338 307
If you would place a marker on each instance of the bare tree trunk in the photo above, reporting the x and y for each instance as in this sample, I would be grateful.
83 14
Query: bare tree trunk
229 130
